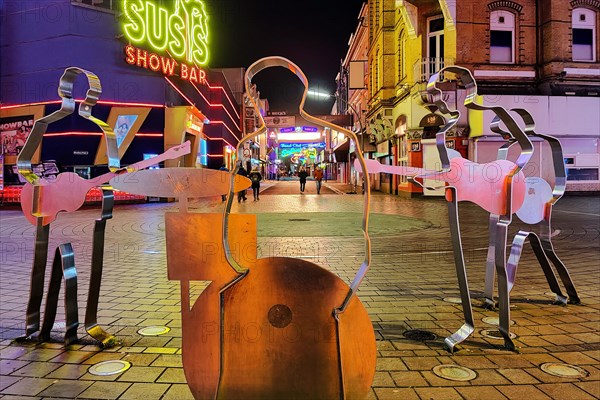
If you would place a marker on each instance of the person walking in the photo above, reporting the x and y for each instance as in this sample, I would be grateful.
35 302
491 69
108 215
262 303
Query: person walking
255 178
242 193
302 175
318 178
224 168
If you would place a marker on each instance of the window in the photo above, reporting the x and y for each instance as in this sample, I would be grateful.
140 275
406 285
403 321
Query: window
435 45
584 34
377 82
502 37
401 57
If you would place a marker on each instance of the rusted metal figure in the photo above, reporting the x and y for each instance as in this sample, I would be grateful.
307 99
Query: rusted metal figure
270 328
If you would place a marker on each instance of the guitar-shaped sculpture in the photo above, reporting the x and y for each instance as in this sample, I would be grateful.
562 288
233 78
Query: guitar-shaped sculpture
268 328
478 183
67 192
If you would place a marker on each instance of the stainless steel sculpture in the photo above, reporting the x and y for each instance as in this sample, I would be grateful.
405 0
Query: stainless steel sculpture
536 210
499 221
501 194
43 200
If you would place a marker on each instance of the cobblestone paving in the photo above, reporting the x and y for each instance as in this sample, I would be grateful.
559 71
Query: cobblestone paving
412 272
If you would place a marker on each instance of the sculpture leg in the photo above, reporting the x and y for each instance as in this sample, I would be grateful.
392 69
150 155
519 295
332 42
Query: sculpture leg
539 252
62 266
515 256
461 272
36 292
490 265
503 295
91 311
546 239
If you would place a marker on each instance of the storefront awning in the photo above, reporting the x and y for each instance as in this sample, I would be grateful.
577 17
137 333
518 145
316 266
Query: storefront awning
341 151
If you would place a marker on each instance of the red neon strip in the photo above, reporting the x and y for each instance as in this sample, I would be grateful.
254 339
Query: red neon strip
217 87
192 104
225 125
214 155
226 96
219 138
179 91
218 105
117 103
97 134
29 104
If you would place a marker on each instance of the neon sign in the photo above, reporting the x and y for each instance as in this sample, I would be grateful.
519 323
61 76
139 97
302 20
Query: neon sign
183 34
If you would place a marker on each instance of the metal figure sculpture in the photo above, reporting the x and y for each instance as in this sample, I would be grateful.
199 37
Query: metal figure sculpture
501 221
269 328
42 200
536 210
498 187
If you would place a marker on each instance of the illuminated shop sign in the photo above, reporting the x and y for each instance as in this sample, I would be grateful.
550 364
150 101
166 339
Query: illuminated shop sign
171 40
287 130
300 152
306 136
300 146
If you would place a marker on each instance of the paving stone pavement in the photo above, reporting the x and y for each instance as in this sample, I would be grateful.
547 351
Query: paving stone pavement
412 272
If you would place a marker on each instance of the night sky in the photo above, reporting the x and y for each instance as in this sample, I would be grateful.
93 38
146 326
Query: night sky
312 33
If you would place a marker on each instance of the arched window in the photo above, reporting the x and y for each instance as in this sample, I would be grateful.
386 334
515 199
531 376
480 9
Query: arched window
377 82
584 34
401 57
502 37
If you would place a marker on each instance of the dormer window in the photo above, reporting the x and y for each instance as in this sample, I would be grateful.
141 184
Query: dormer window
502 37
584 34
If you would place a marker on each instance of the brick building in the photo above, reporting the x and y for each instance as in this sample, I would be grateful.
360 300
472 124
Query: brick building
539 55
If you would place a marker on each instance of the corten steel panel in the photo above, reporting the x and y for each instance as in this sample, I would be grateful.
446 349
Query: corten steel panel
195 252
279 327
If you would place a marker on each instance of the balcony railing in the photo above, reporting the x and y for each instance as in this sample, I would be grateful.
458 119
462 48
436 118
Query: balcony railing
425 67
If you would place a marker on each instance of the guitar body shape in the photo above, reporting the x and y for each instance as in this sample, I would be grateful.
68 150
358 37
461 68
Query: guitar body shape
270 333
483 184
67 192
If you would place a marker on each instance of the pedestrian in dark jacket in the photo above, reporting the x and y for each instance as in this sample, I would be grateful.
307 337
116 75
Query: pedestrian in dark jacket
255 178
302 175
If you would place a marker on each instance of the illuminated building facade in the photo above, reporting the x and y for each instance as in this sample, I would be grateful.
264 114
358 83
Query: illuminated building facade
152 64
540 55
